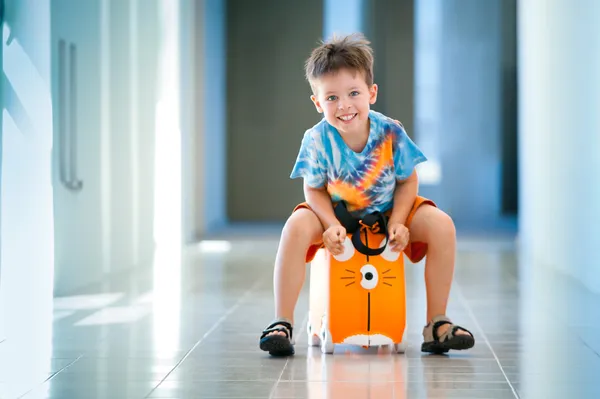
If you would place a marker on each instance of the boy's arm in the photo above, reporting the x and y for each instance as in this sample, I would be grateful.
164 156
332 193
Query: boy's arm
320 202
404 198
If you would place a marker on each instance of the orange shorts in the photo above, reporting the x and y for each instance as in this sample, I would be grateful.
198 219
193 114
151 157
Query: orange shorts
415 251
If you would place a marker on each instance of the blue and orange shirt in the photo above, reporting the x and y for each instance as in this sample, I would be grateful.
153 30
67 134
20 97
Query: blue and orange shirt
365 181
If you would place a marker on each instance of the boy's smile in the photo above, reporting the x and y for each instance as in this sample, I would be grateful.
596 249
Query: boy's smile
345 98
347 118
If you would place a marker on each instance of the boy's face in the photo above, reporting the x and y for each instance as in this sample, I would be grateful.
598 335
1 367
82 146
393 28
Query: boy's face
345 98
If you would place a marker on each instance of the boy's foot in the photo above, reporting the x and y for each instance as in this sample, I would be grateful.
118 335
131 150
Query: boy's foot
278 339
440 336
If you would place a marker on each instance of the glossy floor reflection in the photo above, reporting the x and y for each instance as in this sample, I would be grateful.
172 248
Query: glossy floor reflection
189 328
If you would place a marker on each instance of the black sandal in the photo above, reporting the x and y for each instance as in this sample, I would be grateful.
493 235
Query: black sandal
448 340
276 344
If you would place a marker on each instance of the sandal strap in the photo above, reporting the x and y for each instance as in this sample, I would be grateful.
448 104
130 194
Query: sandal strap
279 326
451 332
430 332
437 325
457 327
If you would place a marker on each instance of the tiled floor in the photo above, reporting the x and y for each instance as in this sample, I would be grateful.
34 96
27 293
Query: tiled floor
190 327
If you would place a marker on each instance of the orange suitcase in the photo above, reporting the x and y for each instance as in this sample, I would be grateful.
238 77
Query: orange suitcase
357 299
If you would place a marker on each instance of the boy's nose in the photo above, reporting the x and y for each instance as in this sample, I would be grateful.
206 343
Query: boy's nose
343 105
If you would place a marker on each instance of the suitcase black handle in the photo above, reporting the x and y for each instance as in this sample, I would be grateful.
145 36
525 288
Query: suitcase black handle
376 222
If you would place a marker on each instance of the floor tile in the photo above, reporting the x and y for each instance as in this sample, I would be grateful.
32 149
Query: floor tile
214 389
111 342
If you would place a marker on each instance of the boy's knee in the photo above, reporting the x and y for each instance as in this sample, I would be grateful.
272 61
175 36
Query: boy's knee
443 225
435 224
302 225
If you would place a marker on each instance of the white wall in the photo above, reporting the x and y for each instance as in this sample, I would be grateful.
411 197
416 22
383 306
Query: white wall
559 129
27 225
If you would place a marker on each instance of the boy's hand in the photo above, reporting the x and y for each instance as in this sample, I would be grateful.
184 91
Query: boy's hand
398 237
333 238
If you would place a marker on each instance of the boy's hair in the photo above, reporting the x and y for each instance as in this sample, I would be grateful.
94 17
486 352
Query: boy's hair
351 51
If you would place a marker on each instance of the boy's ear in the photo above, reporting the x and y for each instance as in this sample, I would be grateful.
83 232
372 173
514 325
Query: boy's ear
317 104
373 93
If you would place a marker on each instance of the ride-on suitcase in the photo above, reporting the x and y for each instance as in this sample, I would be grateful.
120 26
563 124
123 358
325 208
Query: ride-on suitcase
358 297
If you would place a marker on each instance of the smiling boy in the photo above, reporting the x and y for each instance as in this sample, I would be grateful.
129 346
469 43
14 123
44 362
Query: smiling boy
367 160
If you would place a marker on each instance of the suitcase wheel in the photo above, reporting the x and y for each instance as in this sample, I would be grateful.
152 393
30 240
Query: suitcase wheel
313 337
400 348
327 344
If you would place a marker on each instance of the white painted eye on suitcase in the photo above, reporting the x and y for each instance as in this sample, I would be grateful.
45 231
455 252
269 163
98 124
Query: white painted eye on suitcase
369 277
387 253
348 251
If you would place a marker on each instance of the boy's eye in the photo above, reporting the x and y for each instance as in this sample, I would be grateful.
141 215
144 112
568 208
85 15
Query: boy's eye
354 93
331 98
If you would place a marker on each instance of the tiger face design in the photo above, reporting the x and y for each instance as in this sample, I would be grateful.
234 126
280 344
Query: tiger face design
362 298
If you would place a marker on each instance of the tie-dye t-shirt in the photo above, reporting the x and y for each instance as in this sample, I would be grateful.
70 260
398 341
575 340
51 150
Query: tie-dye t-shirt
365 180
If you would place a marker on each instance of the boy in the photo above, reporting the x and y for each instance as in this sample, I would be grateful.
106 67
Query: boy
365 159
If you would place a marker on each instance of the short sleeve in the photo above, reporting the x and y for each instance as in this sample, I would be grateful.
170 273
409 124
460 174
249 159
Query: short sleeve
310 163
406 153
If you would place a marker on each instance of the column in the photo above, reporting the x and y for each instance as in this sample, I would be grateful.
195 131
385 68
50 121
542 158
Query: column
342 17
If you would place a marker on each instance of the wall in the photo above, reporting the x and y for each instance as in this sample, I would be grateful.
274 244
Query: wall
390 27
26 190
268 104
559 93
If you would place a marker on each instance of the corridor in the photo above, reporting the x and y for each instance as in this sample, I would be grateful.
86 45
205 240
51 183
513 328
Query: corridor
145 160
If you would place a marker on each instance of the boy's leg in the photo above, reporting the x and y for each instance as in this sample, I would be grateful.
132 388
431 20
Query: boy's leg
434 229
301 230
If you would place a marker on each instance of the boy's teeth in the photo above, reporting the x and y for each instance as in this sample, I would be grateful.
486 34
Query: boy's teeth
347 117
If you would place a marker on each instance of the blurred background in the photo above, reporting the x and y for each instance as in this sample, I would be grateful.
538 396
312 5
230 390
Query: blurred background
128 123
133 126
